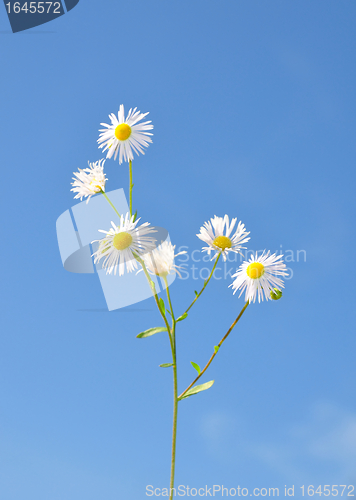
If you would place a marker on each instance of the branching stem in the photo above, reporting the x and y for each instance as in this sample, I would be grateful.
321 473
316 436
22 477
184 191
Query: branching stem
205 284
215 353
112 205
131 186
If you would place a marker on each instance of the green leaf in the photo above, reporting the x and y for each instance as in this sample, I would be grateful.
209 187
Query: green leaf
169 312
151 331
216 348
197 367
197 388
196 293
135 214
161 305
166 365
182 317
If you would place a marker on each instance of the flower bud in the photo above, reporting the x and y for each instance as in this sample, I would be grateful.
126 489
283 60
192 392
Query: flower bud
275 294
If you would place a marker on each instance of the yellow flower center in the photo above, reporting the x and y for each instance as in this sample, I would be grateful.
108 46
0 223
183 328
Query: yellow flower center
255 270
222 242
122 240
123 132
94 186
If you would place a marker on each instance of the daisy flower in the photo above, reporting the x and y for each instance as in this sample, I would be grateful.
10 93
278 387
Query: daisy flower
260 276
161 260
122 243
125 135
90 180
216 233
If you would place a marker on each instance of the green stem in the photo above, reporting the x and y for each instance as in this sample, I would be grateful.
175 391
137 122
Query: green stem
107 198
169 299
175 418
215 353
172 339
131 186
153 288
175 393
205 284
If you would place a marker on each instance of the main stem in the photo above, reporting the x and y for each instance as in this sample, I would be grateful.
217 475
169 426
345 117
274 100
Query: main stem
175 392
131 186
172 339
175 419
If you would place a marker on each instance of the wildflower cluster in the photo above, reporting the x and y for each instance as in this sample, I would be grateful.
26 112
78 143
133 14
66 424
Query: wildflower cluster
130 246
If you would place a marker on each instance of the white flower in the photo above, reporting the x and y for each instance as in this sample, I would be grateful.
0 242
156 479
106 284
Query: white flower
259 276
122 243
125 135
90 180
161 260
216 233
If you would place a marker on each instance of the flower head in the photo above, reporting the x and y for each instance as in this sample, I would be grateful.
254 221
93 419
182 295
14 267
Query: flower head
161 260
217 234
90 180
122 243
260 276
125 134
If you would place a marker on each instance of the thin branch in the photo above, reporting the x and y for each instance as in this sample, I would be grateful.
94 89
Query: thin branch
215 353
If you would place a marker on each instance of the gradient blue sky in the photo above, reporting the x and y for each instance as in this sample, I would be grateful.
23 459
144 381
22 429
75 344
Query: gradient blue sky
253 105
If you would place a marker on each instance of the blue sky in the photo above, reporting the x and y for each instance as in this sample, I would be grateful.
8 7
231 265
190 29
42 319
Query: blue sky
253 105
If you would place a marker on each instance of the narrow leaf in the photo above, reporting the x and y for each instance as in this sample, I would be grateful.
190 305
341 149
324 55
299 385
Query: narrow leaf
182 317
166 365
151 331
135 215
161 305
196 293
197 367
196 389
216 348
